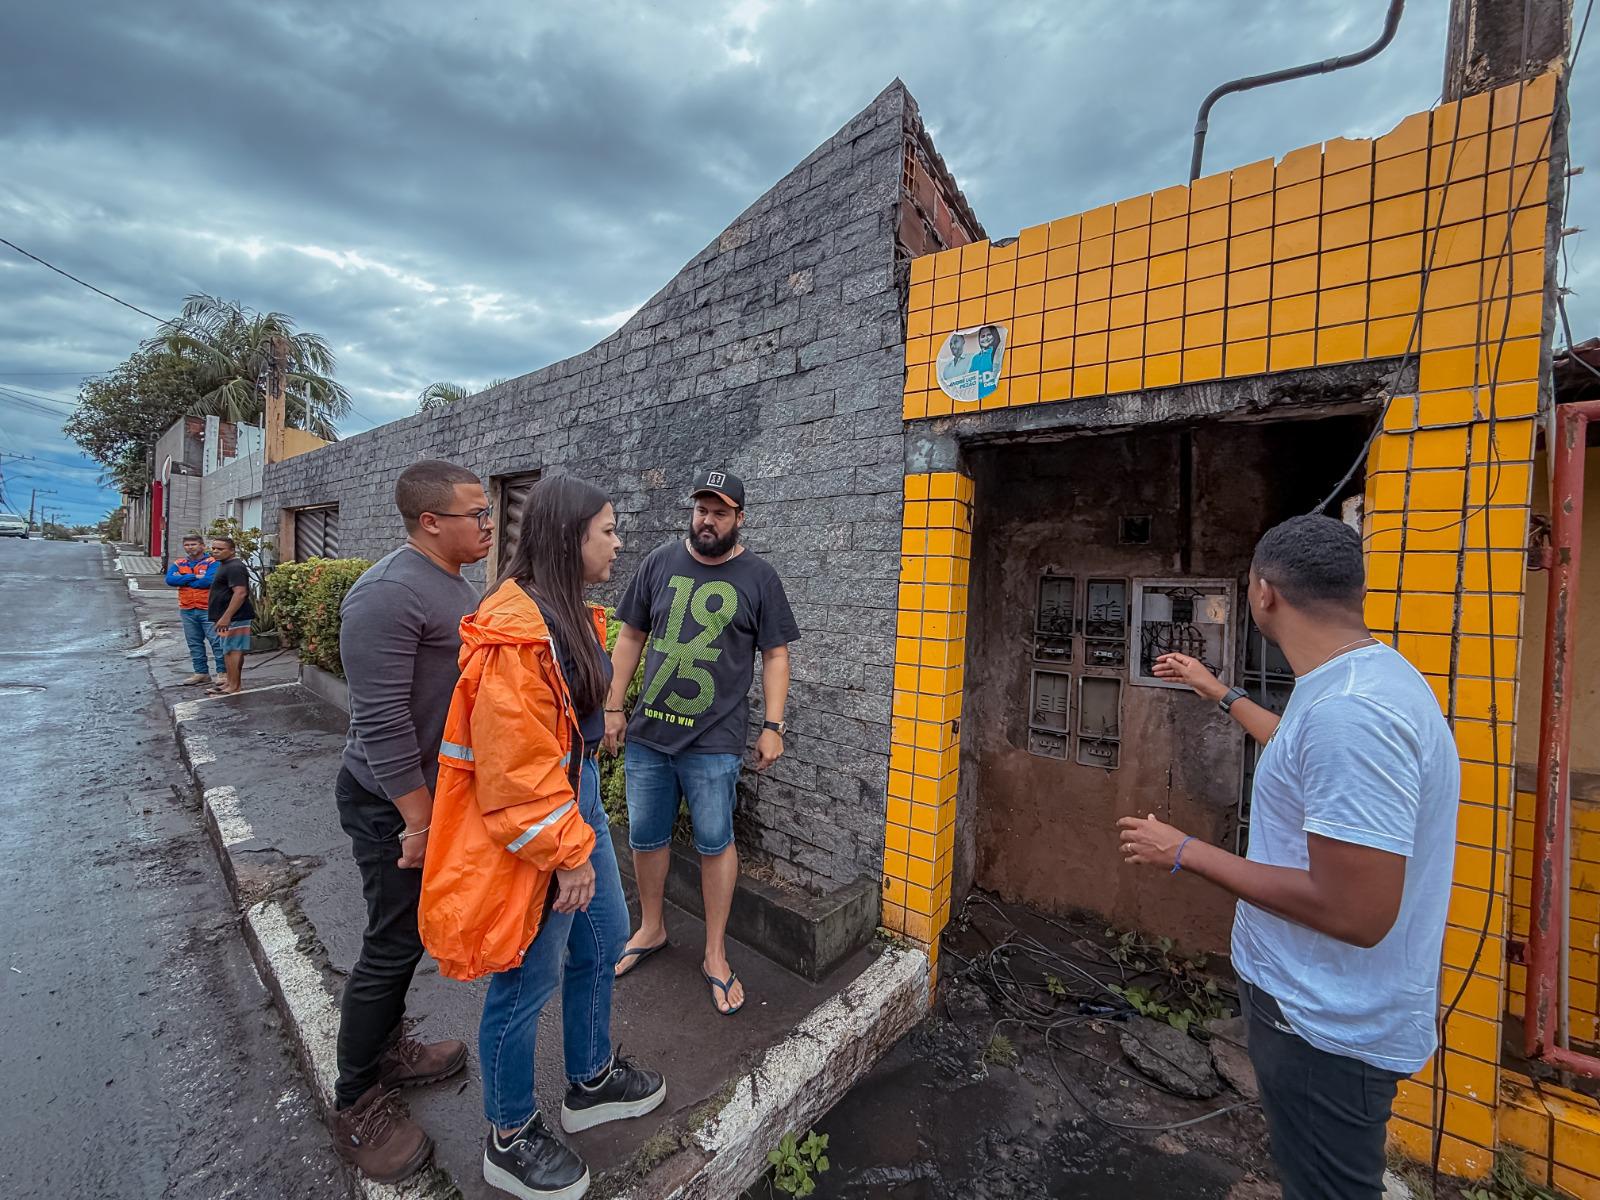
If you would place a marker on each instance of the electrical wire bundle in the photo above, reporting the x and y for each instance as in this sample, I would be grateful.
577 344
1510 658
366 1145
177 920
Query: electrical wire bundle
1083 996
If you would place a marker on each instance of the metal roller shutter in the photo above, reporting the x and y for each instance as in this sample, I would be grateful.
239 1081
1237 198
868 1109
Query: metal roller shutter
513 503
316 533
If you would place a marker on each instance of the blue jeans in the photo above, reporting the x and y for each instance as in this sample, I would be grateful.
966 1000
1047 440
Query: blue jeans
199 632
575 950
709 783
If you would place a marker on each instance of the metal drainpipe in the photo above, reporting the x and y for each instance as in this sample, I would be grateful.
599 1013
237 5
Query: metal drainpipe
1391 22
1543 1016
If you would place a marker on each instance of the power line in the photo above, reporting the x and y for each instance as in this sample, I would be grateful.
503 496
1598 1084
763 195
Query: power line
80 282
52 407
124 303
25 404
56 397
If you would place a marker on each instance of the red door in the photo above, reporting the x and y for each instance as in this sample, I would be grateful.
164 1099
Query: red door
157 512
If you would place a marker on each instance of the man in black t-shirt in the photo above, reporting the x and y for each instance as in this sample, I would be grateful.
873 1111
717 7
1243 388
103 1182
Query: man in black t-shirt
229 610
705 606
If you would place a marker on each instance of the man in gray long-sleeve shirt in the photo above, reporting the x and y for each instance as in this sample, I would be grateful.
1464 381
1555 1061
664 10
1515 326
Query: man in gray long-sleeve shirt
399 638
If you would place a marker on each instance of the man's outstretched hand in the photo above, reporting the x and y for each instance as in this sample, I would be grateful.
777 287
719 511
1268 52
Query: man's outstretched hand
1149 842
1192 673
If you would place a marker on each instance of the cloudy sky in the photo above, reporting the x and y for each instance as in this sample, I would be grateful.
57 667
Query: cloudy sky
469 190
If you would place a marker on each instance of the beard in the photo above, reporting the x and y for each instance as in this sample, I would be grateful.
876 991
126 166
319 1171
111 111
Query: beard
709 544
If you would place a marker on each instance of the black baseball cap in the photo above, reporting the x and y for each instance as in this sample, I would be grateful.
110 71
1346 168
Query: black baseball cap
725 485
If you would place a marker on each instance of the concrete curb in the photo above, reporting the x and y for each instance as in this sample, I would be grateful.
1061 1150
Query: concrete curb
313 1019
803 1076
792 1085
326 685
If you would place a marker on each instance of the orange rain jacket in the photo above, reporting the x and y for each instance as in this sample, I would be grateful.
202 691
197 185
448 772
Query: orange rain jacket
505 809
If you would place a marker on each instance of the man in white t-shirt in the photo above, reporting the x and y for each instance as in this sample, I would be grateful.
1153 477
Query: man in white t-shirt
1342 898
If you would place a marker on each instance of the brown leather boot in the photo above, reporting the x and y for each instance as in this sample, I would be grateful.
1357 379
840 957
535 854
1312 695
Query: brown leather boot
409 1063
378 1139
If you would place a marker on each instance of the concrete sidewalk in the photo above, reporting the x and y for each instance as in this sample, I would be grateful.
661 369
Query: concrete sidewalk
265 761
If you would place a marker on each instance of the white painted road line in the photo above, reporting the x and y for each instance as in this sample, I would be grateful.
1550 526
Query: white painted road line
268 687
199 749
224 805
316 1020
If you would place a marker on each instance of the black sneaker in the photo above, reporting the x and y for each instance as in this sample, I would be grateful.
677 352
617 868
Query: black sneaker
623 1091
534 1164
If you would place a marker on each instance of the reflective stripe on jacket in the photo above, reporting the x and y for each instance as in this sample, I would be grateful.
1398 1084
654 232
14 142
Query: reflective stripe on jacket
505 809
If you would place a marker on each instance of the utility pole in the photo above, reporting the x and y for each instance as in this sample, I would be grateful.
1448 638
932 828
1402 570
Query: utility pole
3 457
37 492
276 415
1488 43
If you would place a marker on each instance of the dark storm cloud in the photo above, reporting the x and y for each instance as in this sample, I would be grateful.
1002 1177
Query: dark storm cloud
476 189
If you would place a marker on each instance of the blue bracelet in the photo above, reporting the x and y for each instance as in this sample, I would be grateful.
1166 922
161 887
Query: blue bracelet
1177 859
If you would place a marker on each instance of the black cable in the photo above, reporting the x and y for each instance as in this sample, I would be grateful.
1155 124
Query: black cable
1168 1127
33 406
124 303
11 390
1492 484
1441 1059
1202 122
76 280
1412 338
55 397
1011 993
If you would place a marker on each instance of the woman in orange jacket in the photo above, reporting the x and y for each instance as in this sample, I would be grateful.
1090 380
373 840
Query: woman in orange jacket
520 881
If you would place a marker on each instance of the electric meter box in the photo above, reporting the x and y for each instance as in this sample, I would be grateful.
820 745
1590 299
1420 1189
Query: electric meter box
1182 616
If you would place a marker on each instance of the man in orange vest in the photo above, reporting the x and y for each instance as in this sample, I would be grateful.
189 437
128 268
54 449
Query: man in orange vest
191 575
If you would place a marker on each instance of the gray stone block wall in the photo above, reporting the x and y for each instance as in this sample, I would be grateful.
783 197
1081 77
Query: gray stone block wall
183 513
238 479
778 353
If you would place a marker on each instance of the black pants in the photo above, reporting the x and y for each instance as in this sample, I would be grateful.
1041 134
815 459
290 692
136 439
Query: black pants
1326 1113
375 994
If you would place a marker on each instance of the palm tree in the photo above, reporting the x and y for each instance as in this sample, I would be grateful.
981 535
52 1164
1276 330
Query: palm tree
230 346
442 393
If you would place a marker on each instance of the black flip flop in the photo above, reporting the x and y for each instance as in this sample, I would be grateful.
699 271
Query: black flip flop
724 985
639 954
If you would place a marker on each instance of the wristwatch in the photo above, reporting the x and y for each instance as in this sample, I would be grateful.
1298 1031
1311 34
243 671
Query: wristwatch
1234 693
777 727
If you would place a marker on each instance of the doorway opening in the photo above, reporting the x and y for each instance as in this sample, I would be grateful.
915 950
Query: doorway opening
1093 555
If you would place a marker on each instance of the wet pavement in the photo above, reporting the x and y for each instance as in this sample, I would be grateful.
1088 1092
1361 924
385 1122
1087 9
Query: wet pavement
266 761
143 1057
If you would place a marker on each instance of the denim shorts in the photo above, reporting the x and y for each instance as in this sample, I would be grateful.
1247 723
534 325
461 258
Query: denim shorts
708 782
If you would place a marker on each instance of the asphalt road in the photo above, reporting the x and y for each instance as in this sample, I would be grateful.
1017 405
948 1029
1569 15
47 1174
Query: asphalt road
140 1055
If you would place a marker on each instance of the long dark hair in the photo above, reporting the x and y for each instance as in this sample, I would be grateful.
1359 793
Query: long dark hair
548 562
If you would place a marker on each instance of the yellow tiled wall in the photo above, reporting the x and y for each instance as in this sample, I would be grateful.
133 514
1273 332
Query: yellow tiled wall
1556 1131
925 743
1583 914
1426 243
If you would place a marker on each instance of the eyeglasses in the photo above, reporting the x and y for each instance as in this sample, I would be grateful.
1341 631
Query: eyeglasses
483 516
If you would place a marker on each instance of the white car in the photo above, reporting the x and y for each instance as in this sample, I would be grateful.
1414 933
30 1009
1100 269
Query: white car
11 526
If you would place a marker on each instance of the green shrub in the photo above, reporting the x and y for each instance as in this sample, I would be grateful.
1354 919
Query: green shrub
285 588
308 596
613 789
